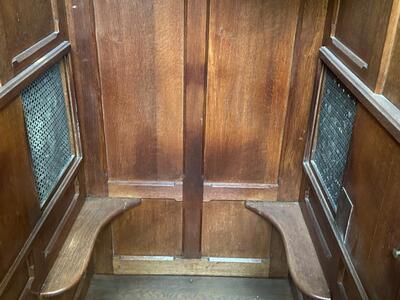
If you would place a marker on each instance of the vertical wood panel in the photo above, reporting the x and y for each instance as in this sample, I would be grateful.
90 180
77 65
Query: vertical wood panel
308 41
140 46
195 84
19 205
88 94
250 54
153 228
392 86
373 186
231 230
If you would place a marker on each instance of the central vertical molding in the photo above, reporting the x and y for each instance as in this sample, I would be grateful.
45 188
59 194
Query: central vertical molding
194 96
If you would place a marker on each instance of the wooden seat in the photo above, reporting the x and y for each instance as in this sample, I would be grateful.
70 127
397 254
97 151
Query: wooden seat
73 259
303 263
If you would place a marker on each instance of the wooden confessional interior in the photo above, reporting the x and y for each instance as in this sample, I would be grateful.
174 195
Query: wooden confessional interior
179 112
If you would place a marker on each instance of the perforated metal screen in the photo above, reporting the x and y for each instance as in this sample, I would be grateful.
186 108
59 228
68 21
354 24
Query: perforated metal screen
335 126
48 130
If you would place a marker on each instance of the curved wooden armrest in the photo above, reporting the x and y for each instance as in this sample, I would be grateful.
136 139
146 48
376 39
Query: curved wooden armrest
74 256
303 263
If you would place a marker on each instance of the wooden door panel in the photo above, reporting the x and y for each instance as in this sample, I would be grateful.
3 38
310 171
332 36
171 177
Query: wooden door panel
140 47
249 59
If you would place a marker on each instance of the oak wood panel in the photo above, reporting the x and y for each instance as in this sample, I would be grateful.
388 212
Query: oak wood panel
140 48
103 252
19 204
196 25
374 187
230 230
304 267
392 85
249 62
74 257
309 38
81 28
361 27
153 228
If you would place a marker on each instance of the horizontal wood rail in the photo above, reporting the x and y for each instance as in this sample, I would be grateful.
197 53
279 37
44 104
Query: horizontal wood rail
74 257
303 263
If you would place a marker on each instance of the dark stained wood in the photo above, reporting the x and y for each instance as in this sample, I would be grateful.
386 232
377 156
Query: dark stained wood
360 26
196 24
145 189
87 83
230 230
304 267
309 37
373 186
154 228
103 252
19 205
249 62
75 254
239 191
278 263
140 48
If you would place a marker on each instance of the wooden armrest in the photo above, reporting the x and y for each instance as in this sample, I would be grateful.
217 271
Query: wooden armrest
73 258
303 263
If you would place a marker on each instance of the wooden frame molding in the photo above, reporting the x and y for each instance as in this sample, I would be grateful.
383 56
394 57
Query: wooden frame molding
240 191
387 114
145 189
13 87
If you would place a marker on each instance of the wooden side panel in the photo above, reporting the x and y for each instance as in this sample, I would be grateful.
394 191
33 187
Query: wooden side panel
153 228
308 41
19 206
392 86
140 47
231 230
373 186
88 94
249 60
358 33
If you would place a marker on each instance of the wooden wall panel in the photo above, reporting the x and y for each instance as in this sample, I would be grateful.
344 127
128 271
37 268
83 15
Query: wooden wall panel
373 185
153 228
358 33
305 60
19 206
140 48
25 23
249 61
231 230
392 86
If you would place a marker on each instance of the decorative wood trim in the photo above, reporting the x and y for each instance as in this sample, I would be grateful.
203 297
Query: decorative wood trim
195 85
189 267
350 54
240 191
332 224
35 48
11 89
386 113
145 189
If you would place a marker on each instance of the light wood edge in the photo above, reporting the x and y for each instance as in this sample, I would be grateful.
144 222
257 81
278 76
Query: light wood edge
384 111
190 267
248 204
225 191
129 203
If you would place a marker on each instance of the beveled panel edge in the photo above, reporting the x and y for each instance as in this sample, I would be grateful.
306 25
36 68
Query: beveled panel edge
13 87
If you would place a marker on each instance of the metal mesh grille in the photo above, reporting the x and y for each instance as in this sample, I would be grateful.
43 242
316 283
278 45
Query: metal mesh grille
48 131
335 126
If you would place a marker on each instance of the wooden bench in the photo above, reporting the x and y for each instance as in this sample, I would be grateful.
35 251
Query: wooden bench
74 257
303 263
